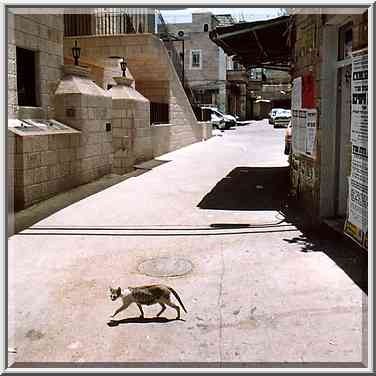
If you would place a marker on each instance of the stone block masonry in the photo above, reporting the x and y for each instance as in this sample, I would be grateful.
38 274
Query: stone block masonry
43 34
44 166
84 106
155 78
131 126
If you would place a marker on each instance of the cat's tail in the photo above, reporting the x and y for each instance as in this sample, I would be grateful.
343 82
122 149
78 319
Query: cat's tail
178 298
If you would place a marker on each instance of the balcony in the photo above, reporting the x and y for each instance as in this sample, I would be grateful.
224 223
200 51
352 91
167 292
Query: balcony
110 21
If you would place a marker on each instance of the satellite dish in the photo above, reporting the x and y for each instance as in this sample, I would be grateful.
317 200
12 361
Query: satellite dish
181 33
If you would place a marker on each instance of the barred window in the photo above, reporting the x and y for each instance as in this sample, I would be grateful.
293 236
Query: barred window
195 58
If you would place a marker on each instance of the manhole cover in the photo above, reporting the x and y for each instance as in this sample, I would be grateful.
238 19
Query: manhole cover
165 267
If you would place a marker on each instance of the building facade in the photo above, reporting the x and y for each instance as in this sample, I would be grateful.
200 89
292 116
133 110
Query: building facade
326 53
65 127
329 60
204 62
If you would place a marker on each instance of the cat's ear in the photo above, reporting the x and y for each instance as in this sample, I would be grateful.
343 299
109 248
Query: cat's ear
119 290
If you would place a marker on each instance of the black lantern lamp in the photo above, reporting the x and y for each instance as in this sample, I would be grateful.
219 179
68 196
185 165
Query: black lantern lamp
76 52
123 65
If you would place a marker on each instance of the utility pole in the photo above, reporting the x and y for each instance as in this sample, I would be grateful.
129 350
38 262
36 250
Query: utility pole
183 61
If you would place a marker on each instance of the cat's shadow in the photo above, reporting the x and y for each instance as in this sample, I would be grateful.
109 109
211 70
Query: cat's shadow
140 320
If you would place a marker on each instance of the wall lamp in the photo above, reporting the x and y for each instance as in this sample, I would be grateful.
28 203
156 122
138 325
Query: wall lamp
123 65
76 52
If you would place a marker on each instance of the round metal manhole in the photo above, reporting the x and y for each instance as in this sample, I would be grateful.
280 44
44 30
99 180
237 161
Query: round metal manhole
165 267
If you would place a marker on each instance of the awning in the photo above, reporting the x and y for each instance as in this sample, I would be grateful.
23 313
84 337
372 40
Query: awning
257 44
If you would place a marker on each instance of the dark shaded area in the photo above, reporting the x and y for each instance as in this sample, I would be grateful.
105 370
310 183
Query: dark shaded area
140 320
149 165
240 190
262 44
159 113
249 188
351 258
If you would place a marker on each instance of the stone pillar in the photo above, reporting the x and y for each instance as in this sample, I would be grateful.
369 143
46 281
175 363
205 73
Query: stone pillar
221 99
83 105
243 102
132 139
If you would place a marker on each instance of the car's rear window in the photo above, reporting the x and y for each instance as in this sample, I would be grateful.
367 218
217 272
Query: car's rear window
283 113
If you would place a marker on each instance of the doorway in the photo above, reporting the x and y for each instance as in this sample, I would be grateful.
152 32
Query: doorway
343 137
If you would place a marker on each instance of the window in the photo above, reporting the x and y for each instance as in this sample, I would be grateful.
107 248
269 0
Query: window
159 113
26 95
206 28
195 59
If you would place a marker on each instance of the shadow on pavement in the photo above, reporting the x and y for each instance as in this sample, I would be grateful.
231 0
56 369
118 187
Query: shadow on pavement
347 255
140 320
249 188
266 188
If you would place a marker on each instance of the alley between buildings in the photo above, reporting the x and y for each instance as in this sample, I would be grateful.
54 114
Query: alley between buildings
212 220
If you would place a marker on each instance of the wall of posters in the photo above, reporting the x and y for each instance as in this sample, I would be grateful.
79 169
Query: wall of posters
304 122
356 224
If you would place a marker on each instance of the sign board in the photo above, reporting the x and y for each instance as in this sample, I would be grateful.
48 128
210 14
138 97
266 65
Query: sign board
304 123
356 225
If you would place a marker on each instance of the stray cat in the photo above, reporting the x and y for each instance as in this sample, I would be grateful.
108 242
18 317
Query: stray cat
146 295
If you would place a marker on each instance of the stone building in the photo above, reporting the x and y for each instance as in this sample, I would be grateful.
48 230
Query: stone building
255 76
204 62
247 88
325 48
326 53
60 131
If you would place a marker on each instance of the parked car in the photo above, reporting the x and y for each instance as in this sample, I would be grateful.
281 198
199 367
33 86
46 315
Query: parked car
279 117
219 119
272 114
288 139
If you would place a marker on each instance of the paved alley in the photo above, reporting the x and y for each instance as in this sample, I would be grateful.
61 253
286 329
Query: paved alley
208 220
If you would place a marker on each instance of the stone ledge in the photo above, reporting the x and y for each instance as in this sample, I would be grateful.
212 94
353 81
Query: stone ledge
76 70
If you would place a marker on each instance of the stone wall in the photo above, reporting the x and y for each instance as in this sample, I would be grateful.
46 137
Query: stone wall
167 137
305 172
44 166
154 75
11 148
131 135
156 91
360 31
313 179
42 33
84 106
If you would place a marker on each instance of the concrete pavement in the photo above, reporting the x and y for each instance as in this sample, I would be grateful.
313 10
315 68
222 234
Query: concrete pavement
260 290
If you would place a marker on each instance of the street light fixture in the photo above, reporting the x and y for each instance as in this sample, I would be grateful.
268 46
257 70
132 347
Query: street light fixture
123 65
76 52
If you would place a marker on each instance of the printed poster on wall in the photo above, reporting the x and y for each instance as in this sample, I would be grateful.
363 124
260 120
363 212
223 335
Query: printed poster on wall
356 224
296 94
359 95
304 123
308 91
